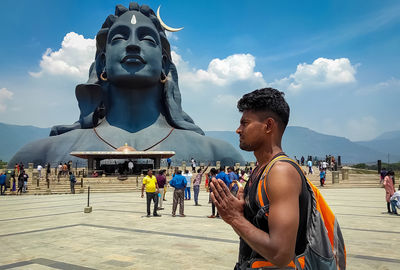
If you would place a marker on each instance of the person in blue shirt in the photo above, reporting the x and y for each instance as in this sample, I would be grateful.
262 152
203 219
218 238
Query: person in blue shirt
3 186
179 183
322 175
224 177
233 177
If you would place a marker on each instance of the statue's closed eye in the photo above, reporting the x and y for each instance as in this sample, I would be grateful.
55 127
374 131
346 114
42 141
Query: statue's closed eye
117 37
149 38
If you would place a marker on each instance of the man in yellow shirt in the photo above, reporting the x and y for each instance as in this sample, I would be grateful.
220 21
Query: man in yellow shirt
150 182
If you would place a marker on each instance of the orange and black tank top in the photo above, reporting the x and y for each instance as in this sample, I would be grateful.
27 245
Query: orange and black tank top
257 215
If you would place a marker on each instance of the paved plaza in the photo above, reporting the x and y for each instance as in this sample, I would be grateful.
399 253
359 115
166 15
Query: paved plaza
53 232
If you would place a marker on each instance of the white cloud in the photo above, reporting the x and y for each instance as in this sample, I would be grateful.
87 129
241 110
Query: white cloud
171 36
229 100
322 73
213 93
4 96
221 72
73 59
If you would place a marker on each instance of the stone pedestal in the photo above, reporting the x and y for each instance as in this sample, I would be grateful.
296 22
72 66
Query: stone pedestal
218 164
30 170
88 209
345 174
335 177
183 166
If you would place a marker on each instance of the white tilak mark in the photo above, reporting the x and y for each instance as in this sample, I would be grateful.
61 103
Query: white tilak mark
133 20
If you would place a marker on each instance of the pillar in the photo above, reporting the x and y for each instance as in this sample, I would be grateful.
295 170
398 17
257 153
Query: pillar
335 177
90 166
345 174
157 163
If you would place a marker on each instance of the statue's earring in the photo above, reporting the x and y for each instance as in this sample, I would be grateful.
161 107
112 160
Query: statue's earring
163 78
103 76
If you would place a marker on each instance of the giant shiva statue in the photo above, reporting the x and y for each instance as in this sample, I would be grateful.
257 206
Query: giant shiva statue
132 96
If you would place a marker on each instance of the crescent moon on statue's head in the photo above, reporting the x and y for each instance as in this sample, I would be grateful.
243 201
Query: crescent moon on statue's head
166 27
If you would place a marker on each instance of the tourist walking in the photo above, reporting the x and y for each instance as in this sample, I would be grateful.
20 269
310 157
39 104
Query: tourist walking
130 166
188 177
25 177
39 169
169 161
150 183
161 182
13 182
65 169
233 177
309 164
213 173
3 186
60 170
224 177
395 201
179 183
48 170
197 183
383 174
72 181
193 163
20 183
389 188
322 176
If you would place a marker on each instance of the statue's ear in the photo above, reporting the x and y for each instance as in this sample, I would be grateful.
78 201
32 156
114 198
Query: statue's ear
100 63
165 64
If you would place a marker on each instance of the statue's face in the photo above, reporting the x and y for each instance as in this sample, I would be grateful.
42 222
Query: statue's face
133 51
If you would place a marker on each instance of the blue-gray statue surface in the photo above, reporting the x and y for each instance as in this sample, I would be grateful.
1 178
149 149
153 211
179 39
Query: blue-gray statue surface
132 96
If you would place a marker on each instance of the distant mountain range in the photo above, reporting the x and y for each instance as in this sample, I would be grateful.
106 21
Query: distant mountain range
297 141
300 141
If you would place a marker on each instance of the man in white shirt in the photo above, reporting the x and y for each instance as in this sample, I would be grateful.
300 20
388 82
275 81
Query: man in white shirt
395 201
130 166
193 165
39 169
309 164
188 177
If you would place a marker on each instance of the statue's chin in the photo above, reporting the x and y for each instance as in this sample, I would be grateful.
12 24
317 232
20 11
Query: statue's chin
134 82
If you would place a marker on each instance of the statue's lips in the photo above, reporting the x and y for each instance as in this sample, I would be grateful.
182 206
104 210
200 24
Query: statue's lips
133 59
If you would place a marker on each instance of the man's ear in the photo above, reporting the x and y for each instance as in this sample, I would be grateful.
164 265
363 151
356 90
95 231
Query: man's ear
269 125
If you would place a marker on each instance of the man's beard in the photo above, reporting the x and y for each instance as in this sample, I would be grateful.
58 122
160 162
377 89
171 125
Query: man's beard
246 147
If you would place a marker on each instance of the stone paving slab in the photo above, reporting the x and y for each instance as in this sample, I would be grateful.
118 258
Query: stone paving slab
52 232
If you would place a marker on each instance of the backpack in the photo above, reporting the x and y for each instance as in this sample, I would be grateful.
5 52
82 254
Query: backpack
325 249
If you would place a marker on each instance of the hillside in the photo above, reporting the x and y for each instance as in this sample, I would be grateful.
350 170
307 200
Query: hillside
300 141
387 143
12 137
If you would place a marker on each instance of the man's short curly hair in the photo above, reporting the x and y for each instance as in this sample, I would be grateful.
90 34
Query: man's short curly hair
268 100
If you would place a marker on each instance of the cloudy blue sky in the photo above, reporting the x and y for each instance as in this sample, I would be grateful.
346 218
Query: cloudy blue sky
337 61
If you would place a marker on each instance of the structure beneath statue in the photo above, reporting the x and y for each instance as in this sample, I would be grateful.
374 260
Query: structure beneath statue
132 96
126 152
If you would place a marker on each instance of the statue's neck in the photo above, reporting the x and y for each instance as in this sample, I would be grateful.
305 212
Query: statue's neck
134 109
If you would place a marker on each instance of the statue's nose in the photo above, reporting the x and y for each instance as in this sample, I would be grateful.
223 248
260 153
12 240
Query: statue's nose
132 47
